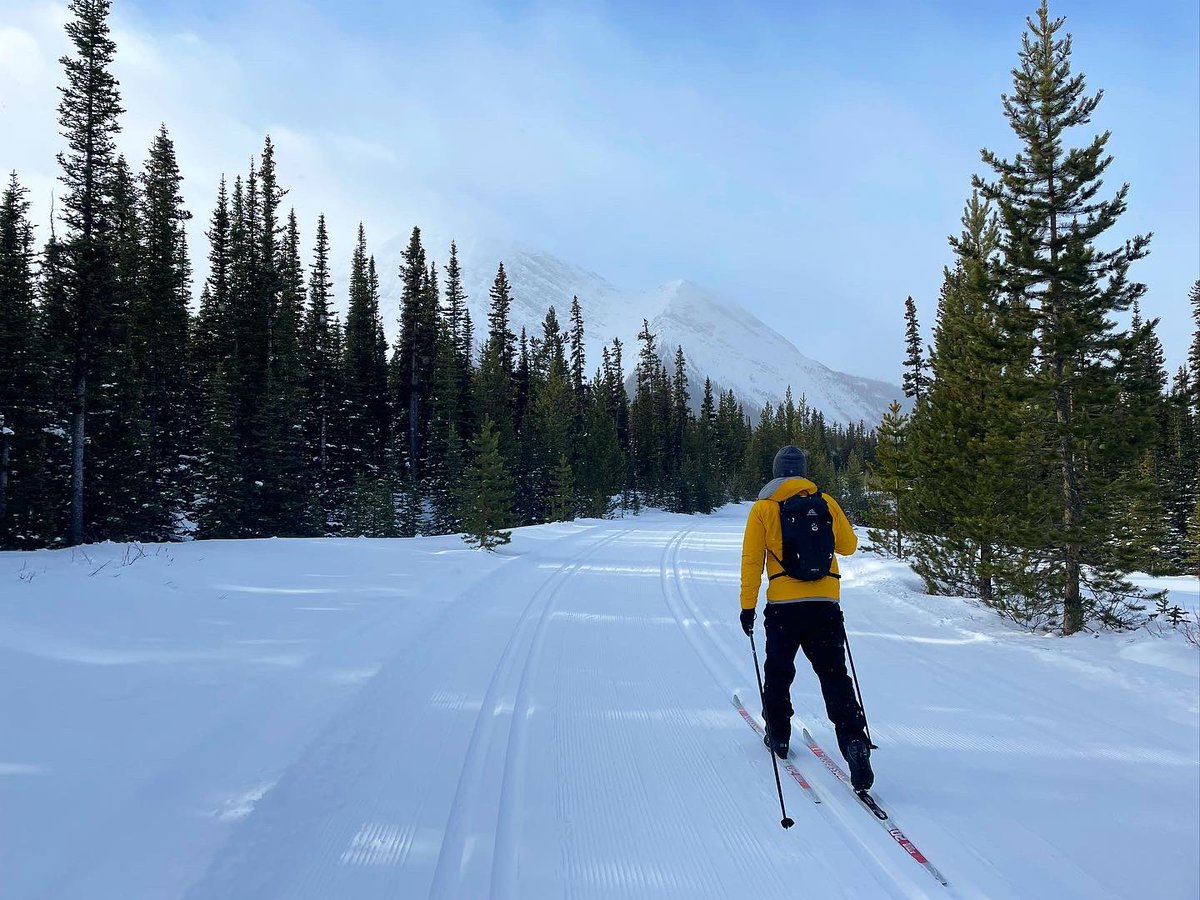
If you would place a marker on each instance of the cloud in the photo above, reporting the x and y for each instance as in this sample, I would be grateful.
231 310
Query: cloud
813 179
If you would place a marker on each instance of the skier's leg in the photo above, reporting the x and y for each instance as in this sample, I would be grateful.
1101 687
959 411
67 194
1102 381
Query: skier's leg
824 642
823 638
779 669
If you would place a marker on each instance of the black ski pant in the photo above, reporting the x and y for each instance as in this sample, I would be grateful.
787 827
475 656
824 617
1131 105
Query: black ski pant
817 627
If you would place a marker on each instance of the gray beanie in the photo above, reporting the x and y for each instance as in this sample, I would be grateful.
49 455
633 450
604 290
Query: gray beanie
790 462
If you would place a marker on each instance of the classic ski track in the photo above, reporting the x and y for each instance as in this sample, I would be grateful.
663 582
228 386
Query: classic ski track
349 752
454 854
585 777
836 812
582 785
949 679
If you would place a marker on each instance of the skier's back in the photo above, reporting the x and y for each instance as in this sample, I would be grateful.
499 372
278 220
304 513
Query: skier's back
802 612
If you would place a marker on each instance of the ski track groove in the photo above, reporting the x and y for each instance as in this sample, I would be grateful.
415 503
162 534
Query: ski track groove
269 854
947 678
583 770
834 809
458 844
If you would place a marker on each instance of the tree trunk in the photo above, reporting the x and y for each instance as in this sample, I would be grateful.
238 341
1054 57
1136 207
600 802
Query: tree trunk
3 476
78 416
985 573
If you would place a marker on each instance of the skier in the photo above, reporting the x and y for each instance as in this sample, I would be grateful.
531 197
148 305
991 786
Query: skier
795 530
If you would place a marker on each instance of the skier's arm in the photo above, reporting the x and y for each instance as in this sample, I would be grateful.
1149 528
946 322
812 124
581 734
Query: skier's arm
845 541
754 553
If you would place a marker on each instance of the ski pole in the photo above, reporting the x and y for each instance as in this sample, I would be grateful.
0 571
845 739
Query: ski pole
785 821
857 689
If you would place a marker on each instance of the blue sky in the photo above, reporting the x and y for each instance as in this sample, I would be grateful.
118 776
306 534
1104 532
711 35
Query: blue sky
807 159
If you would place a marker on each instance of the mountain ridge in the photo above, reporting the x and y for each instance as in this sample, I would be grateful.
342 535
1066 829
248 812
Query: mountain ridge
721 339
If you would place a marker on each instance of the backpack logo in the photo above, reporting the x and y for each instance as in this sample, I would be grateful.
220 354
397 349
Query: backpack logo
813 512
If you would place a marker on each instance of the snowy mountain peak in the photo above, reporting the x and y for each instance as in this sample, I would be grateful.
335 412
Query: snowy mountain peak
720 337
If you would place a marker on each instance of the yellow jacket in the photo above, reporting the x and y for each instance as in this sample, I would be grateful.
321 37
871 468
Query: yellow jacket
763 533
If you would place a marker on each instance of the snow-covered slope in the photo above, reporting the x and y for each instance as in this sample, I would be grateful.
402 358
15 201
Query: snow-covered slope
725 342
721 338
361 719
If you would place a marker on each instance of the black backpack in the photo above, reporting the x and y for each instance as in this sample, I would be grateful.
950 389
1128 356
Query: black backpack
807 527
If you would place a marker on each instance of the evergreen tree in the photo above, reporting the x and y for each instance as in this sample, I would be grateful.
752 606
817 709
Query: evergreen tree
600 472
1063 289
321 364
562 501
1194 541
160 323
365 364
286 500
372 507
119 493
496 378
88 114
222 492
415 350
23 391
914 361
462 337
650 421
213 328
1194 352
1180 467
891 483
682 471
547 428
444 463
487 492
974 485
578 358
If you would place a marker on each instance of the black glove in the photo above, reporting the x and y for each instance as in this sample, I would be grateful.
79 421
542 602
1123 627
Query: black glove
748 621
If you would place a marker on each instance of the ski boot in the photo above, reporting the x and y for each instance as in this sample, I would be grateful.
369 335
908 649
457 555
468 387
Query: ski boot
858 756
778 747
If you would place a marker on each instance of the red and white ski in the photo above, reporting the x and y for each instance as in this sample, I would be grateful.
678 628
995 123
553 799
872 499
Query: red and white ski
787 764
877 812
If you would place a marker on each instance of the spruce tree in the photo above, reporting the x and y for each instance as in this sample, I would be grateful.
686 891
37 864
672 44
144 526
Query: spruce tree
372 507
119 493
366 367
1194 352
914 359
548 426
971 453
444 462
1063 289
221 492
562 501
487 492
891 479
24 519
88 114
1193 533
600 472
320 372
497 367
461 333
415 350
682 472
160 324
213 328
286 501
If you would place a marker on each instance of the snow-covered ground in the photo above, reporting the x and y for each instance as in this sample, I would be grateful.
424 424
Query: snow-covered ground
361 719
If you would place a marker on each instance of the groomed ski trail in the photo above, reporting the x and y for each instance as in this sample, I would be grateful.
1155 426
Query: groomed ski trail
377 719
